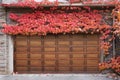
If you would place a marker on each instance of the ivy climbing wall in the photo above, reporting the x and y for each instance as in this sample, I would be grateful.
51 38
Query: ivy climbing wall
4 39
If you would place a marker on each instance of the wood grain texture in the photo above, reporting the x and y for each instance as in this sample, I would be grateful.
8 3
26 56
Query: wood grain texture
57 53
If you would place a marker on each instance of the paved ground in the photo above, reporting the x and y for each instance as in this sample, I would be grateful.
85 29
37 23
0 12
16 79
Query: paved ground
55 77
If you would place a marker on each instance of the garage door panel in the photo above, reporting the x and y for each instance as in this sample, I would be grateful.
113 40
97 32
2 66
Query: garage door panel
65 37
49 43
21 56
63 56
57 53
35 56
77 55
49 49
63 42
49 69
49 56
21 49
92 37
78 62
76 49
49 63
64 63
35 43
78 37
21 43
92 62
92 55
36 69
92 42
21 63
89 69
34 63
63 49
35 49
92 49
78 43
49 37
63 68
79 69
21 68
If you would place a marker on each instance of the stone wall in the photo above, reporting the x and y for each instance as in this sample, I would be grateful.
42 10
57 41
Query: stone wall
3 44
3 54
9 1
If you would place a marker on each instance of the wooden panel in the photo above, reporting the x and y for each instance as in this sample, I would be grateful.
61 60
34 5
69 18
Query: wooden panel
21 49
63 37
35 42
49 43
78 37
49 37
92 42
21 38
63 43
63 49
92 37
35 56
35 49
35 63
49 49
64 62
78 49
63 56
92 69
49 69
92 62
36 69
78 62
92 49
49 63
21 62
78 69
21 43
78 56
63 68
21 68
21 56
49 56
57 53
78 43
92 55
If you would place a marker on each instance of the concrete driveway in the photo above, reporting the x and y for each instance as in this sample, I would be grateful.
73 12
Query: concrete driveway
55 77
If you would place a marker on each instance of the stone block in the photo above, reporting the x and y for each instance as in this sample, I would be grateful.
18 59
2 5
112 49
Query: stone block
2 65
9 1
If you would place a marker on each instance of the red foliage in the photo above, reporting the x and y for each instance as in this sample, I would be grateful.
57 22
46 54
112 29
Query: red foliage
64 20
43 22
113 64
116 17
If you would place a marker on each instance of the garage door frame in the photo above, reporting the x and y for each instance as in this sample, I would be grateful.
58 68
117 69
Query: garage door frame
11 51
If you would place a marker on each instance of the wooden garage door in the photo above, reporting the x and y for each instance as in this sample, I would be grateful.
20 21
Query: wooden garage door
56 54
